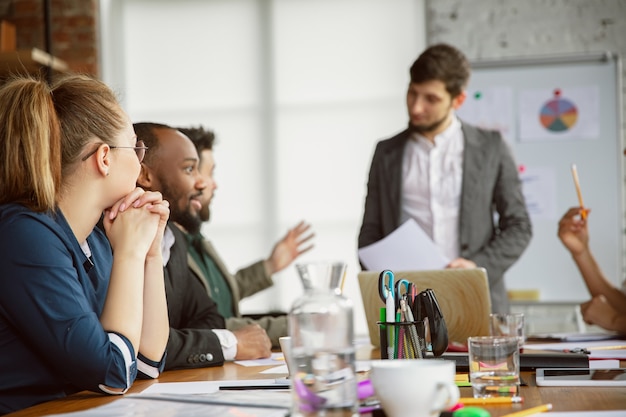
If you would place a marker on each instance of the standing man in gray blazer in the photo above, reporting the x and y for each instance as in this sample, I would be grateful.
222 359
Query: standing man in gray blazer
458 182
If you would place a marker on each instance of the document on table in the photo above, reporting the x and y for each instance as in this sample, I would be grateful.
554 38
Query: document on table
282 369
408 248
237 398
604 364
572 337
599 349
209 387
276 359
221 404
195 387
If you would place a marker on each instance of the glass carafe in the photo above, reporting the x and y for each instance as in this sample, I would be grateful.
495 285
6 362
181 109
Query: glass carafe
322 344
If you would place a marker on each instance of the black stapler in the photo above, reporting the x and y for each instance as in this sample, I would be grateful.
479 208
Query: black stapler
426 306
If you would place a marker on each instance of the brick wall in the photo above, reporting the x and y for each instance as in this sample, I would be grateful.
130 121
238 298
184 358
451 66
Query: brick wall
73 29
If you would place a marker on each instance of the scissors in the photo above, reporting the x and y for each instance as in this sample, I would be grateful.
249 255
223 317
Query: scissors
387 287
399 295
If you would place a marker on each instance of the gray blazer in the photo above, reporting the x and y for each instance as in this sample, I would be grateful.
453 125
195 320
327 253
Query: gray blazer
490 185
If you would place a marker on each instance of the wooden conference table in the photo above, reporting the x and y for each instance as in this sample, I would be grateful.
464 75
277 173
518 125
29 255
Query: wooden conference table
562 398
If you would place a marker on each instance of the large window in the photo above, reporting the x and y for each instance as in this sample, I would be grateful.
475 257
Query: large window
297 92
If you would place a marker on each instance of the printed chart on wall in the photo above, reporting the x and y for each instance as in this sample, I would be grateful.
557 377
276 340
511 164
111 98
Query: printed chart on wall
560 114
555 112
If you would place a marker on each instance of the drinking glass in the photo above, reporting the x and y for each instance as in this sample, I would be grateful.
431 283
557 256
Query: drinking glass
494 366
502 324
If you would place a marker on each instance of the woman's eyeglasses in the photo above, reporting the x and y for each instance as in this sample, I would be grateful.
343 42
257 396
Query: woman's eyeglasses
140 149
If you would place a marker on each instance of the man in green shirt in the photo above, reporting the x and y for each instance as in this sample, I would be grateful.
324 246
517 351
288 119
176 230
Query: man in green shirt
225 288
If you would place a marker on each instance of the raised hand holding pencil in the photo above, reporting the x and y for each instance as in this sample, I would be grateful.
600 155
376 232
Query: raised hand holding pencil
583 212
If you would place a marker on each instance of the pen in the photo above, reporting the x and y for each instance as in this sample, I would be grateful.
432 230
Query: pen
491 400
245 387
413 333
531 411
583 213
391 318
396 329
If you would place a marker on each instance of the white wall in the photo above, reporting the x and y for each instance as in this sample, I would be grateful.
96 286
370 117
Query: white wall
297 91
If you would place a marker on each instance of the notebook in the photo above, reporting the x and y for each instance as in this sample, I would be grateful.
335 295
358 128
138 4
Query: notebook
463 296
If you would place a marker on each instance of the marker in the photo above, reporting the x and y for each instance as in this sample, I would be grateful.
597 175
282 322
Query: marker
491 400
531 411
383 330
390 304
583 212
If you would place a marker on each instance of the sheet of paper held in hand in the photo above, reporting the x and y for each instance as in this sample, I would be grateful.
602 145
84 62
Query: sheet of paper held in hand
408 248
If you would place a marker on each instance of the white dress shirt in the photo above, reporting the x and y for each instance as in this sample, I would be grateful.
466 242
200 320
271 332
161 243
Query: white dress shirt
432 178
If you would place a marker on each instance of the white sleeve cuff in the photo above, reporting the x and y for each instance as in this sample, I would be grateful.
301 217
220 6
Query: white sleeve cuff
228 340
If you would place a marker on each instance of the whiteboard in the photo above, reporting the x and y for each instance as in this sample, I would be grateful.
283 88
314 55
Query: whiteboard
555 112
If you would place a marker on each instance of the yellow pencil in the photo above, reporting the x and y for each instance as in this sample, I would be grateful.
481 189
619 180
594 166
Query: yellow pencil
583 213
531 411
490 400
607 347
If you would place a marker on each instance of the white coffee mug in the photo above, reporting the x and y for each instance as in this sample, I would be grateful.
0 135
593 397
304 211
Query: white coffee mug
285 347
415 387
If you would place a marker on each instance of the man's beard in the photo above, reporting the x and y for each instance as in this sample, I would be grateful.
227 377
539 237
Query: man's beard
205 213
190 222
423 129
427 128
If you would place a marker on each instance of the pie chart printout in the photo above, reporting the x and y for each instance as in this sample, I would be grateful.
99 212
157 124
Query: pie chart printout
558 114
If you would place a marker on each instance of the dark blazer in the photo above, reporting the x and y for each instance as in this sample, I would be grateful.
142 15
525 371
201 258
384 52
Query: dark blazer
490 185
192 313
246 282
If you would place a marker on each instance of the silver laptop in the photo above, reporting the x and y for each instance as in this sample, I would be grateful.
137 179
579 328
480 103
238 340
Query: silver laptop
463 296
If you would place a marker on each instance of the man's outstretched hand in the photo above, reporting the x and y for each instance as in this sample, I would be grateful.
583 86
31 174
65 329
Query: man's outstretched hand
295 243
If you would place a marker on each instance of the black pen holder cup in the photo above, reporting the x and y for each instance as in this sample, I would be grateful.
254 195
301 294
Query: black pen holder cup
402 340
